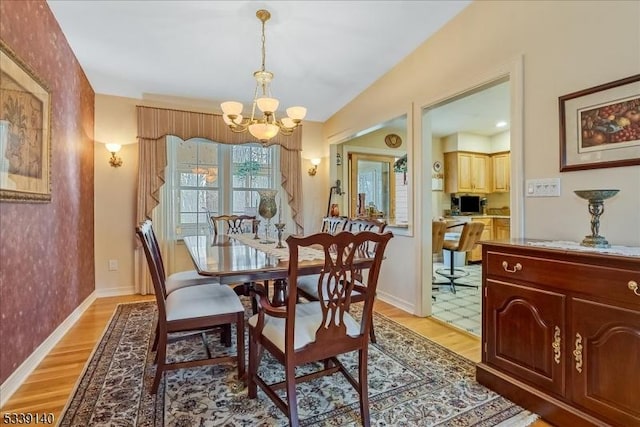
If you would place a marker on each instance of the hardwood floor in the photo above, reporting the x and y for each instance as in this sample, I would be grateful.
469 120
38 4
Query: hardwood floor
47 389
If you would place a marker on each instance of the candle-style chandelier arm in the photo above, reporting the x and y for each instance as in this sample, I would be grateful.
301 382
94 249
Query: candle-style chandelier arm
267 126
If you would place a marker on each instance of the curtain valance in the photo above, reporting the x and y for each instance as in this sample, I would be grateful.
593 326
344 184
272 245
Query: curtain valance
154 123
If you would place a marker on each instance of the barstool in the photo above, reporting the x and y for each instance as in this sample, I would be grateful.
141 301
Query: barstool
470 235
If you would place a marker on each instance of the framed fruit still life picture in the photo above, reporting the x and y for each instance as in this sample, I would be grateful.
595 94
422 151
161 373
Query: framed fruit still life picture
600 126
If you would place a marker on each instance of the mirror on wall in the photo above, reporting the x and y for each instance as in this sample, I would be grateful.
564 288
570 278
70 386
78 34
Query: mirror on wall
375 173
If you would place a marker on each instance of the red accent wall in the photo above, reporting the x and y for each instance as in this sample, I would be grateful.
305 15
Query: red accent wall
46 249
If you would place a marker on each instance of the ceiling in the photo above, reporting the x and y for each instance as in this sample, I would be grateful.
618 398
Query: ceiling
323 53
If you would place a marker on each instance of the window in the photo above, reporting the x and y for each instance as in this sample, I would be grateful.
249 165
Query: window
214 179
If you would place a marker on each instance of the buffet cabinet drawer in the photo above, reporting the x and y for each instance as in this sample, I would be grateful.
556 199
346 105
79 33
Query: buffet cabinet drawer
611 283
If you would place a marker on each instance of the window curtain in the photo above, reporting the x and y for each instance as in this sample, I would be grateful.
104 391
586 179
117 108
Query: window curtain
154 124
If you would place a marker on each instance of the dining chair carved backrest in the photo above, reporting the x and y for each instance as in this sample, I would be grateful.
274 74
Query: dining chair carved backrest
180 279
232 224
192 308
333 224
307 284
298 334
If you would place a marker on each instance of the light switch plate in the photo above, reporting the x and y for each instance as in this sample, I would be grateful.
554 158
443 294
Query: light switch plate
545 187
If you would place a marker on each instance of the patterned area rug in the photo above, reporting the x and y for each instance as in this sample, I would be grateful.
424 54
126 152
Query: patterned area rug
412 382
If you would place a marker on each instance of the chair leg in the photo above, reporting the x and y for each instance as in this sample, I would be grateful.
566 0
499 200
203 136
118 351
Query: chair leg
240 345
155 339
255 354
160 364
372 334
364 387
292 403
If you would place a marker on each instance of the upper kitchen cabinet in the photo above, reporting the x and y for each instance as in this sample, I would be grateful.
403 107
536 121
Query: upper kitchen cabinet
467 172
501 172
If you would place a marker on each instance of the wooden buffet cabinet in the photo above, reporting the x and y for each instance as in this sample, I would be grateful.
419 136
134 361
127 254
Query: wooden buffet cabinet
561 332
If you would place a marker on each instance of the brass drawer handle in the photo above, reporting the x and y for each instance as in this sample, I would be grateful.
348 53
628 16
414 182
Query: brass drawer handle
515 268
633 285
556 345
577 353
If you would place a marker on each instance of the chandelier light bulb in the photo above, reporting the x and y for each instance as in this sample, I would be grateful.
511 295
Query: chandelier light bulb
288 123
267 105
263 131
231 108
296 113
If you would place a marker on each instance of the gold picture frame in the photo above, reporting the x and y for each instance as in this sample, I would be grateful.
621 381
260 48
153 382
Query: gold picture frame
600 126
25 132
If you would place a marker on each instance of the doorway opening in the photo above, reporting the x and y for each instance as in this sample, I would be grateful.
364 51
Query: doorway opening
470 136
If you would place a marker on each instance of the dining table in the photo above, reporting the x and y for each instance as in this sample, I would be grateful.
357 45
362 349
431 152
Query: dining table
246 260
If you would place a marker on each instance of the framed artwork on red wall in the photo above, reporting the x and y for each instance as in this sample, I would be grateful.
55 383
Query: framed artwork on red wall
25 132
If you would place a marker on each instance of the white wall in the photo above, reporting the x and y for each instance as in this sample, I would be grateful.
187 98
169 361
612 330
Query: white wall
565 47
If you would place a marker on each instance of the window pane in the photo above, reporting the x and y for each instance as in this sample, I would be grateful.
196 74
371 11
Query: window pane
195 202
243 200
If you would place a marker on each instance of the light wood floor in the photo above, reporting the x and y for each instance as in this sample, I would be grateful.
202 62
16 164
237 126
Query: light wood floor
47 389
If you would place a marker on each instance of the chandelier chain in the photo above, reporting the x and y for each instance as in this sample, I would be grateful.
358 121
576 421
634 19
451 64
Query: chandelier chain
264 51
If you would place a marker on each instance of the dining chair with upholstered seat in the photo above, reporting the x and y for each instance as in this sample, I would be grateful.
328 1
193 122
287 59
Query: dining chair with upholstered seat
307 285
232 224
469 237
298 334
180 279
193 308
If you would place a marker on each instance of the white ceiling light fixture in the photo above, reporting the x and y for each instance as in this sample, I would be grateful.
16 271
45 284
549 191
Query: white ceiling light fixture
268 126
501 124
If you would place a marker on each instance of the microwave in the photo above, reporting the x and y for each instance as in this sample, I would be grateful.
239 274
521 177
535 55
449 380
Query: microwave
470 204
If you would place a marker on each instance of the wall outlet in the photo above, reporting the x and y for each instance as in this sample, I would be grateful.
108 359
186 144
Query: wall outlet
546 187
113 265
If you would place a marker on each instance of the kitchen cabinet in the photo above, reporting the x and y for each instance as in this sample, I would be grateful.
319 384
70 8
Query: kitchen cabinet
467 172
501 172
561 332
487 234
501 229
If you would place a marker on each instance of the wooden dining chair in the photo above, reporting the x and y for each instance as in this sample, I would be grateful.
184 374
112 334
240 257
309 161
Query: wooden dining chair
307 285
297 334
333 224
193 308
180 279
233 224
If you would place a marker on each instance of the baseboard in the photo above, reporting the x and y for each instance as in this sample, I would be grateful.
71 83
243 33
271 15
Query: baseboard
16 379
395 301
115 292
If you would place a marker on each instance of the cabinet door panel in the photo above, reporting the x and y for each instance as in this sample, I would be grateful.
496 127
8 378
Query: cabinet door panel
465 168
606 345
480 172
523 324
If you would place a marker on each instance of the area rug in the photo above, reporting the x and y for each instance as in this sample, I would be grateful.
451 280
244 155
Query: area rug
412 382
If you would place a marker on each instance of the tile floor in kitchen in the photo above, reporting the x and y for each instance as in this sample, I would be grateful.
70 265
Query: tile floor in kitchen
464 308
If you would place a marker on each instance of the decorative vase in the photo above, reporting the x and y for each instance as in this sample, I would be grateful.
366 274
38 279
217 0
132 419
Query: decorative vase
335 210
596 200
267 209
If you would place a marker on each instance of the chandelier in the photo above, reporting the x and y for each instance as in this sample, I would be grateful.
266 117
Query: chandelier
266 127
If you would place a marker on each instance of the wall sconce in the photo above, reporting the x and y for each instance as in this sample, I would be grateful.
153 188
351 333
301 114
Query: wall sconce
314 169
113 149
338 159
